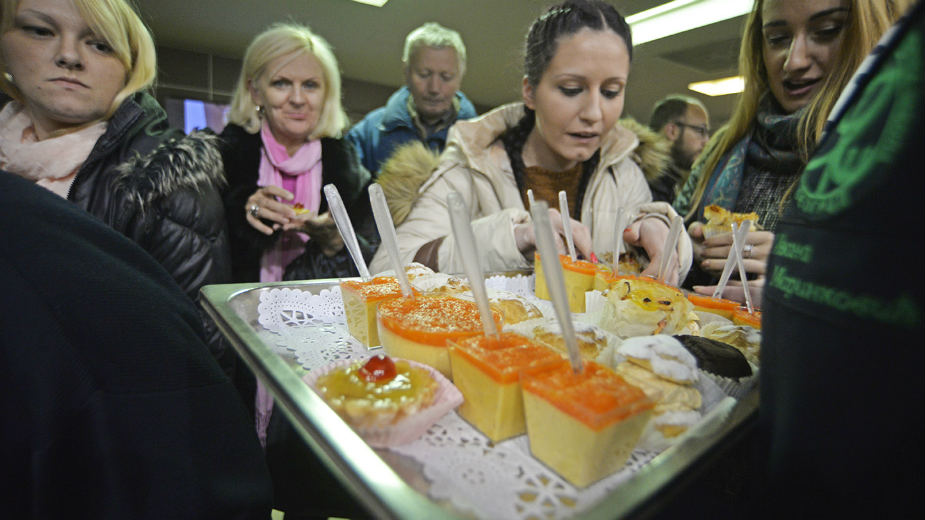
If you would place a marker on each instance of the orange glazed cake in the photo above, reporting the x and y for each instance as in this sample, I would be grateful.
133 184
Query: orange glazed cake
741 316
579 278
360 302
720 306
419 328
584 426
603 277
487 371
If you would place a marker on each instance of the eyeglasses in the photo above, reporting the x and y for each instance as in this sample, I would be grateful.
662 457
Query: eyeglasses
702 131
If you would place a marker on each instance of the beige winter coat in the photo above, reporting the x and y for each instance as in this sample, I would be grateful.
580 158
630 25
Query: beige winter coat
475 165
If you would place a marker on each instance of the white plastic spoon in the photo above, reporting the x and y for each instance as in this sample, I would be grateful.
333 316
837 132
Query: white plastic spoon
677 224
387 234
737 232
618 245
465 242
555 281
738 244
567 225
345 227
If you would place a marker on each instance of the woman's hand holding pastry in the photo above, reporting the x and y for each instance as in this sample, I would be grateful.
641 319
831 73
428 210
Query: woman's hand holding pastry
321 228
264 206
651 234
715 250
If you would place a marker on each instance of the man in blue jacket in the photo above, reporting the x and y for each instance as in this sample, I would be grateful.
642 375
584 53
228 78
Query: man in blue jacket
434 61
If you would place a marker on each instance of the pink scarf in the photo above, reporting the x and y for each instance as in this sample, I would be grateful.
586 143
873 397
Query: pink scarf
51 163
300 174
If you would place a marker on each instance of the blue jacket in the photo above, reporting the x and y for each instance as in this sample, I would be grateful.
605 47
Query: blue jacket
385 128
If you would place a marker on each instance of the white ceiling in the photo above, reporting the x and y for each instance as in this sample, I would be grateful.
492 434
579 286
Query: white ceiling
368 41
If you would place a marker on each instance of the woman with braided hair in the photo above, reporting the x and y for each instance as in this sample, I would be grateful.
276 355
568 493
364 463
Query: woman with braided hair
564 136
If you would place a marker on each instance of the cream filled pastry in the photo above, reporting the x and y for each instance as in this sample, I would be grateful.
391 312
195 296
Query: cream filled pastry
592 342
513 308
664 355
643 306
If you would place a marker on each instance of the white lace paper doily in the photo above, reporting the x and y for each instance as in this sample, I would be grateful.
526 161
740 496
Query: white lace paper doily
462 466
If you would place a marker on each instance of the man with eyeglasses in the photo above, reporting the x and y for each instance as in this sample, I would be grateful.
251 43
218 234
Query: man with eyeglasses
685 122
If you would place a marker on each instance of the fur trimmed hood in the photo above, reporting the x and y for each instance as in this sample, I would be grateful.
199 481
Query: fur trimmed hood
406 170
653 155
402 175
190 162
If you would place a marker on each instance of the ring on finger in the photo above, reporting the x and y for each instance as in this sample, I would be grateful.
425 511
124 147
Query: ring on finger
254 210
747 250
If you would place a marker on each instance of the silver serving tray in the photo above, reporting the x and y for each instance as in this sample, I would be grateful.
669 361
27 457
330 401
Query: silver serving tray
390 485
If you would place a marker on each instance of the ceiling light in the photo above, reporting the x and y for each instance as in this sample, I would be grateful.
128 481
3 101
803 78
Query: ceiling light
683 15
377 3
719 87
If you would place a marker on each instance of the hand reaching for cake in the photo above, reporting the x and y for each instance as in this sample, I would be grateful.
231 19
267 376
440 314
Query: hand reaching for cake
525 237
650 234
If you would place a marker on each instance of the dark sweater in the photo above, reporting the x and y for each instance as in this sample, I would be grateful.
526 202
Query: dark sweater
841 382
113 407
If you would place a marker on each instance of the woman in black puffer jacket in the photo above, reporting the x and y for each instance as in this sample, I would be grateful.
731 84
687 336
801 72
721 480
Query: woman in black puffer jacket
93 137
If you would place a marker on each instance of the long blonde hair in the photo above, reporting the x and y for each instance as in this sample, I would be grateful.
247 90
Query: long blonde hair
116 22
867 21
284 39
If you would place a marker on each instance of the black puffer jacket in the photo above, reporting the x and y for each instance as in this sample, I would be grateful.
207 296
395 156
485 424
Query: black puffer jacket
340 166
161 189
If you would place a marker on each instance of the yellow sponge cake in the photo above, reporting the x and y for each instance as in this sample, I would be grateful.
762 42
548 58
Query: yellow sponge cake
419 328
360 302
584 425
487 372
579 278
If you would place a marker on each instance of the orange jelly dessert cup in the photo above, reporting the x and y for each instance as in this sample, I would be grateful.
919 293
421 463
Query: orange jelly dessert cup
585 425
721 306
741 316
360 302
487 370
579 278
419 328
603 276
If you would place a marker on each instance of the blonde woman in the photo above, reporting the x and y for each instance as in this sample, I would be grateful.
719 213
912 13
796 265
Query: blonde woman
796 57
282 144
81 125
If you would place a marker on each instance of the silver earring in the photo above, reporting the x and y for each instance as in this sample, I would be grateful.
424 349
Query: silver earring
260 111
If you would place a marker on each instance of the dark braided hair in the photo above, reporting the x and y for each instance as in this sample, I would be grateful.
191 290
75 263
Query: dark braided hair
559 20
